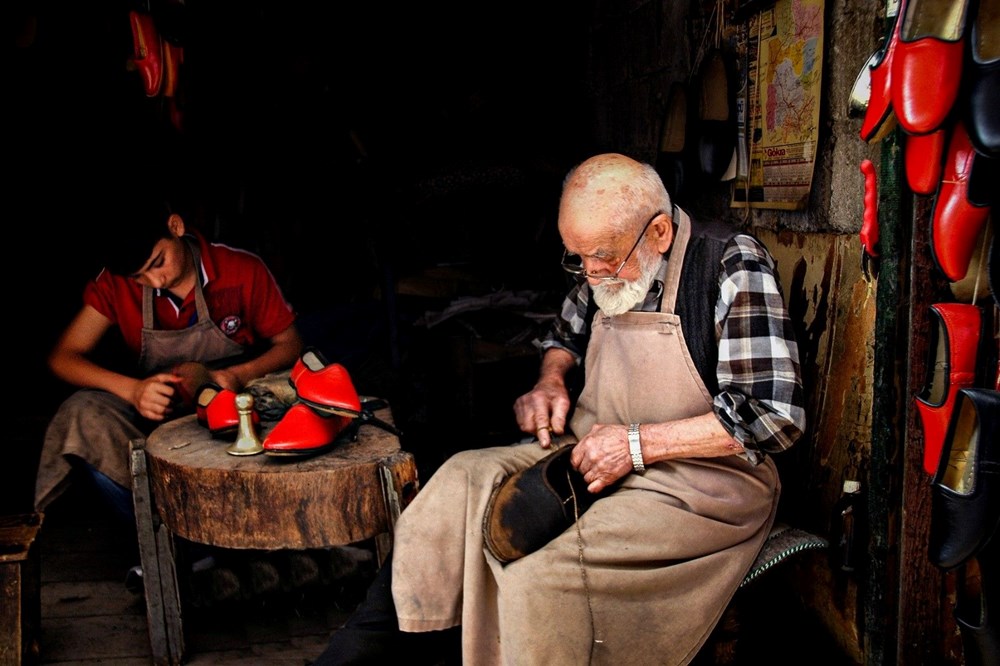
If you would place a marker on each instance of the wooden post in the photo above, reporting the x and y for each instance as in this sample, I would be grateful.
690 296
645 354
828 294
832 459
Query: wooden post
880 592
20 602
159 574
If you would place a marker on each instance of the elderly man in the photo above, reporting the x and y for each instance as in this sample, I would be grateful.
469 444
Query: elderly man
691 377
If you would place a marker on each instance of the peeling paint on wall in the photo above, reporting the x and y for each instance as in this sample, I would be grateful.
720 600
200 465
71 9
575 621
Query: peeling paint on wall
832 307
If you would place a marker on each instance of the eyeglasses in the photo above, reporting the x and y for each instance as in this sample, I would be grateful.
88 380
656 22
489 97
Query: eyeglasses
573 264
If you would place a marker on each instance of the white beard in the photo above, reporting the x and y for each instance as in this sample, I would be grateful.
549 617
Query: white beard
619 297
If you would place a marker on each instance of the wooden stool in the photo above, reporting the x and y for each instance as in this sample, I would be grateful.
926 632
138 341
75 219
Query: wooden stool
20 600
185 484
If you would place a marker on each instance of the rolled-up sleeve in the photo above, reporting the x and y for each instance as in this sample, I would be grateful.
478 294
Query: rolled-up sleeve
569 329
760 398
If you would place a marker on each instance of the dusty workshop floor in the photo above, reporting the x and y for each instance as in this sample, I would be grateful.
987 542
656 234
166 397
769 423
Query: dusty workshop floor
89 617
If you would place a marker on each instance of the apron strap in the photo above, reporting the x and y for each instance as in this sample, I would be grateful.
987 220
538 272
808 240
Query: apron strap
201 305
676 261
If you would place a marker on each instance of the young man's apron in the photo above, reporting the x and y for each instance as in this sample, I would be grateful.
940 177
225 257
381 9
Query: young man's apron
96 426
661 557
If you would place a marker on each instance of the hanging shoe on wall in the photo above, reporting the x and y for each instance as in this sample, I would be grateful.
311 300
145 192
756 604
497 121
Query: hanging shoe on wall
965 495
982 104
993 270
956 221
674 145
955 336
977 606
173 58
147 51
923 157
927 63
717 128
871 95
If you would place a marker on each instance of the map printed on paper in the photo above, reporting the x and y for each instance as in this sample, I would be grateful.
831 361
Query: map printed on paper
783 51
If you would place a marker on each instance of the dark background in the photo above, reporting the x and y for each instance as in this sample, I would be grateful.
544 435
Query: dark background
352 146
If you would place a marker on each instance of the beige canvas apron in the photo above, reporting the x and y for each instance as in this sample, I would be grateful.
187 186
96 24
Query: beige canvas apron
96 426
661 557
203 341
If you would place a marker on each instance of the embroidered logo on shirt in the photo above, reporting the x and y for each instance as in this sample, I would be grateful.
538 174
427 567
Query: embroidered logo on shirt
230 325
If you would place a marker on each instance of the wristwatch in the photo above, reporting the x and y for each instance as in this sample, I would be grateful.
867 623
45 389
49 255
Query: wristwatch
635 448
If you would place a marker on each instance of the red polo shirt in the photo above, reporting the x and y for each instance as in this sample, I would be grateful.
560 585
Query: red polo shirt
243 298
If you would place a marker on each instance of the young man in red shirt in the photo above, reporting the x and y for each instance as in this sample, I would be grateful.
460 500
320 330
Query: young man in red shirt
174 298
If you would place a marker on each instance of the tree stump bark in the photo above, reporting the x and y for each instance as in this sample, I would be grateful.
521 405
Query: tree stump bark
336 498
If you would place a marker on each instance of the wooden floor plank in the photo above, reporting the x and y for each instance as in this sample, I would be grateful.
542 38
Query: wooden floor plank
89 617
94 637
89 598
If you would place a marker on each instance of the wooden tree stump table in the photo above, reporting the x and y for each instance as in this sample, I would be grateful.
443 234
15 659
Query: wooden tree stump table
186 484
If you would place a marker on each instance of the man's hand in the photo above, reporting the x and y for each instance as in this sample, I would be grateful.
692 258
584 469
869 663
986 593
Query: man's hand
602 456
542 411
153 396
227 379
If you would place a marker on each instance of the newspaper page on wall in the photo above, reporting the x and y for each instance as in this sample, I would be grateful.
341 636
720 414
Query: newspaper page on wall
781 48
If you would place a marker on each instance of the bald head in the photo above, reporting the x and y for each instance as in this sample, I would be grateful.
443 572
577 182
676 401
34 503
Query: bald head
611 193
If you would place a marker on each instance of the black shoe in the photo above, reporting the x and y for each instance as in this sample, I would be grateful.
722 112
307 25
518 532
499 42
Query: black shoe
965 499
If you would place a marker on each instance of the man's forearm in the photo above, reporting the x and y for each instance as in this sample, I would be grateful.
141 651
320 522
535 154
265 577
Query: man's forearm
556 364
697 437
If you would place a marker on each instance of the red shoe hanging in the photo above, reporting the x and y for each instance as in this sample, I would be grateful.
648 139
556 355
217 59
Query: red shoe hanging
148 51
951 365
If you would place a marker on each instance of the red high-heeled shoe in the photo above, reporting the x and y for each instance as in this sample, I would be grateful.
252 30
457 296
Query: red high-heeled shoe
955 336
147 51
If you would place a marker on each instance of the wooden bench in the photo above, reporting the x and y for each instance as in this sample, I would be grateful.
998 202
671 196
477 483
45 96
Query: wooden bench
20 600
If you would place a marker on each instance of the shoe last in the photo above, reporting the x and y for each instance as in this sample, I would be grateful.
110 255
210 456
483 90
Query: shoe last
326 387
147 51
927 63
217 411
982 69
872 91
955 337
956 221
923 156
303 431
965 497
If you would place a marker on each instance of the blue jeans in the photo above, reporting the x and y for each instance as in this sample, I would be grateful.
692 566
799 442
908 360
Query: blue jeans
118 497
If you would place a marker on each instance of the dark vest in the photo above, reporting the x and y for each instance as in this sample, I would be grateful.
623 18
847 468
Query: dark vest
697 298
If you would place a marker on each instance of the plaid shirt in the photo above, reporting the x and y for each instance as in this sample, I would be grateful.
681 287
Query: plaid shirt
760 388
